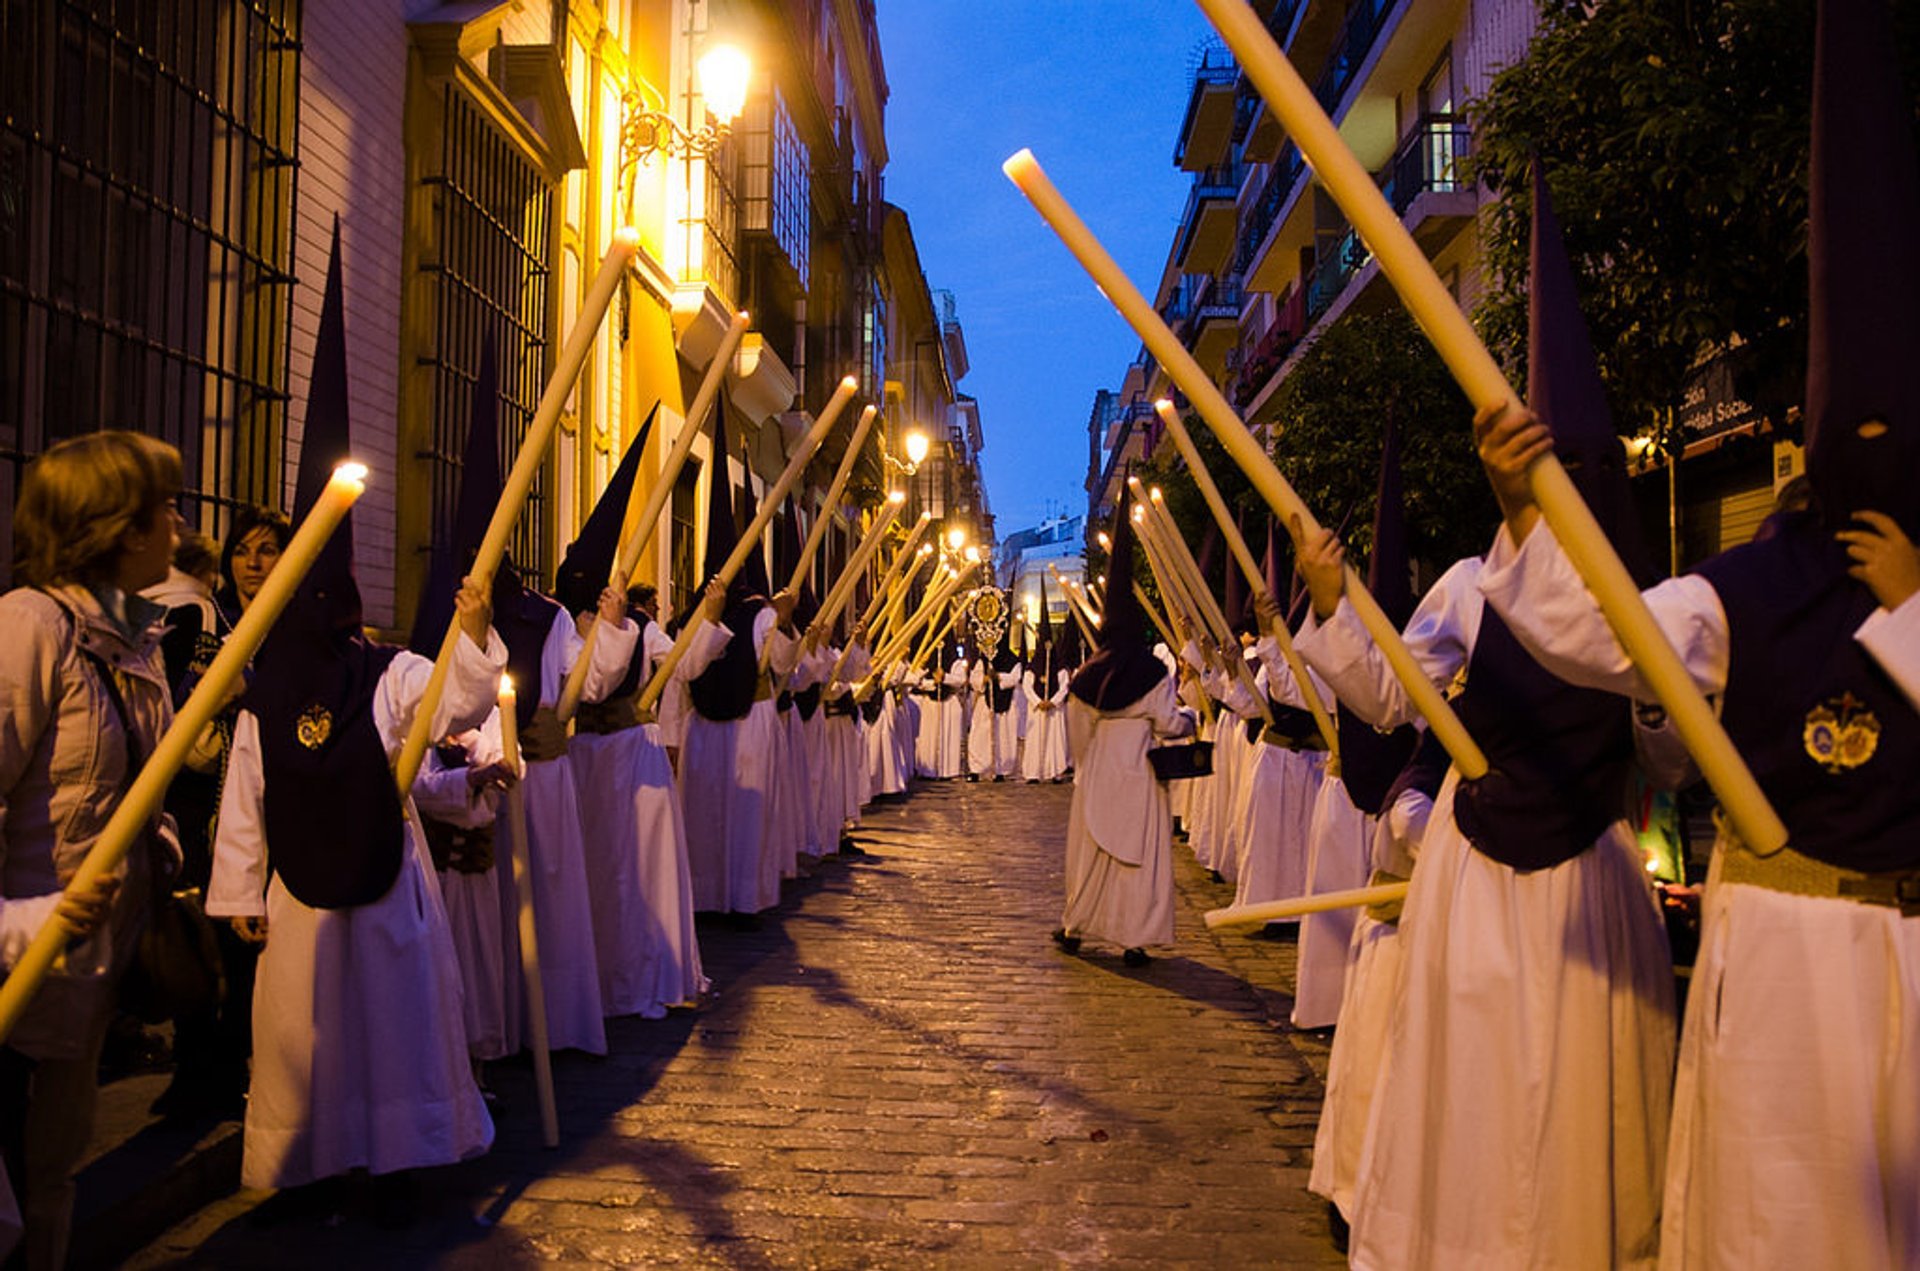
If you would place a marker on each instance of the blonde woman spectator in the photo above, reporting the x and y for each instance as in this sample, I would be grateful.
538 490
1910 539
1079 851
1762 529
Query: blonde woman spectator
83 698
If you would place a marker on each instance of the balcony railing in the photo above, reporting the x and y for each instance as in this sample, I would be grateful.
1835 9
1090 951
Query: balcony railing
1260 217
1363 23
1221 183
1344 257
1218 298
1432 160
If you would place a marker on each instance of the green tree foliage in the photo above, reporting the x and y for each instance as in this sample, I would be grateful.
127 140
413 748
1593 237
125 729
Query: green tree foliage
1363 370
1675 138
1332 409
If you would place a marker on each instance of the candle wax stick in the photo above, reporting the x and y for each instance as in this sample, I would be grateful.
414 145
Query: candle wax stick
529 932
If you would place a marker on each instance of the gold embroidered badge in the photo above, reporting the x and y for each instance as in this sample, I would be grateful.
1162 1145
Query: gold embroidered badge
1841 733
313 727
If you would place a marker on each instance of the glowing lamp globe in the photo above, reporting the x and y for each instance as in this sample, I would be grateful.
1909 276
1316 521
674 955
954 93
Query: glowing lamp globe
723 72
917 447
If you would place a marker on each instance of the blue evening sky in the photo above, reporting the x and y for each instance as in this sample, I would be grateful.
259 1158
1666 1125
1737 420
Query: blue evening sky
1096 88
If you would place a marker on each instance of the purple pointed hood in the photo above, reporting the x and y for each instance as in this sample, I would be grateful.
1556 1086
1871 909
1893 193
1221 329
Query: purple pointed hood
1124 669
1863 253
1564 389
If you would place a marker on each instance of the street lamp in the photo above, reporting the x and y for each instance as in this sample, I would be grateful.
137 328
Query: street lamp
917 447
722 73
957 537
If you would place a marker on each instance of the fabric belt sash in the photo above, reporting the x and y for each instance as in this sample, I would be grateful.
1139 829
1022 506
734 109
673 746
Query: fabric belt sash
1797 874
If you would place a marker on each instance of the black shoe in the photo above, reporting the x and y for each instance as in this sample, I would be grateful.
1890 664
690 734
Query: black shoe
974 777
394 1200
1216 876
998 777
1135 957
1070 944
1337 1227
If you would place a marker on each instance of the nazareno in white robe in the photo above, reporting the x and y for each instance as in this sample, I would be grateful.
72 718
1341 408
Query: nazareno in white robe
1045 755
823 800
642 888
1119 867
1277 798
359 1046
845 782
1520 1119
1796 1120
803 756
1339 843
943 724
557 851
489 986
1374 962
727 779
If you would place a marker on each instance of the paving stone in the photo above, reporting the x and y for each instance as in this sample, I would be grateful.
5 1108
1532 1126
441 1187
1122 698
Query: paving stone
897 1068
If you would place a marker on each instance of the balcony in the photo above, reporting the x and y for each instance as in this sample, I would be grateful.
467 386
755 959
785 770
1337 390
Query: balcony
1213 326
1207 226
1363 24
1207 131
1426 180
1339 259
1267 208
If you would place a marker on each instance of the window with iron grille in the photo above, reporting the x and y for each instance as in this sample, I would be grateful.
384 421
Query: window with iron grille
489 272
147 160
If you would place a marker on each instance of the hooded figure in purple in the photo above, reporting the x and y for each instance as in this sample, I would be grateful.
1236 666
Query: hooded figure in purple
1521 1115
636 845
359 1049
729 759
1120 704
1795 1116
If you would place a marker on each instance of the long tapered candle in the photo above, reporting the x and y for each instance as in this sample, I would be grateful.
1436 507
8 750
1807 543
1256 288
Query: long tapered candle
1189 569
842 590
1075 605
750 537
817 533
136 809
841 593
1434 308
1300 906
509 704
638 527
1256 577
1024 170
513 496
927 610
884 594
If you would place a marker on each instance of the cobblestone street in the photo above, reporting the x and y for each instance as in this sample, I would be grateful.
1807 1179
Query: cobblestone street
895 1068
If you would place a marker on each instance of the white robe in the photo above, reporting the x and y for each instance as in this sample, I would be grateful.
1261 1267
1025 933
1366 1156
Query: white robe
885 774
1374 963
359 1046
943 724
557 852
727 779
1045 756
1277 797
489 986
993 738
1119 868
648 953
1521 1118
1796 1125
823 800
790 825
